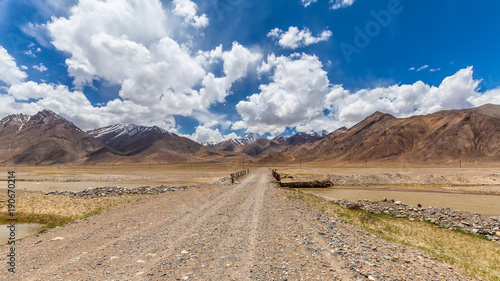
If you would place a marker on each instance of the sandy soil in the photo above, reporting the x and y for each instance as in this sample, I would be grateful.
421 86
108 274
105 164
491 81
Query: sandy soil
196 172
76 178
245 231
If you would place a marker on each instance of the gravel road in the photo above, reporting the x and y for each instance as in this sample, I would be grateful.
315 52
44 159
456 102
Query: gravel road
247 231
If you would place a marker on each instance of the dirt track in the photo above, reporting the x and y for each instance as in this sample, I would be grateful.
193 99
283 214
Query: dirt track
246 231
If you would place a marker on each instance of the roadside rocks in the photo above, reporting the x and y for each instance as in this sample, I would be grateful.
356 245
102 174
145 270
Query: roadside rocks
465 221
111 191
413 179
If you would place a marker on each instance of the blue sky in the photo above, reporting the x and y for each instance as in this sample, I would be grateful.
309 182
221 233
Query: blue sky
217 69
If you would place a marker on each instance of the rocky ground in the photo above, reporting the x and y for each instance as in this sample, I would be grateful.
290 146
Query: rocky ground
246 231
112 191
472 223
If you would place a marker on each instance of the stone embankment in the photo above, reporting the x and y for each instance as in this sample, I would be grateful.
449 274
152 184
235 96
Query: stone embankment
472 223
307 184
111 191
414 179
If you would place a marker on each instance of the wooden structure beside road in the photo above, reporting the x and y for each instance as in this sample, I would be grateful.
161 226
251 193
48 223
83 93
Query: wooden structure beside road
237 175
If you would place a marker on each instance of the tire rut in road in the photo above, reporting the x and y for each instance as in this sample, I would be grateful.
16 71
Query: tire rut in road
223 245
103 246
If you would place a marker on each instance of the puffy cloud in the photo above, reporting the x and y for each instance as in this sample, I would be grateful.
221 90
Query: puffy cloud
31 97
295 38
491 96
129 44
455 92
307 2
338 4
205 134
9 72
236 63
40 67
295 97
117 24
300 92
188 9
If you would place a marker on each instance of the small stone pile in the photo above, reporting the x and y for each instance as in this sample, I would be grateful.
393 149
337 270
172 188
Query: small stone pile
110 191
472 223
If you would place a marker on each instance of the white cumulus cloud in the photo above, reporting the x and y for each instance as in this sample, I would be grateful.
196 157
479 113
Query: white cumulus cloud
119 34
129 43
294 97
295 38
9 71
75 106
40 67
188 9
300 92
206 134
455 92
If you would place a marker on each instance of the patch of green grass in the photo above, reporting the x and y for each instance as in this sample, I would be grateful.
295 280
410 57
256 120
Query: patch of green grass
476 255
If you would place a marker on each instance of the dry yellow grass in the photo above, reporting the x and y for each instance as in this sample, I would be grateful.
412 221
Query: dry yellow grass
55 210
186 172
475 254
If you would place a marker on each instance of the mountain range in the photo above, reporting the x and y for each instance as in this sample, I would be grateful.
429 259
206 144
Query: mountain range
442 137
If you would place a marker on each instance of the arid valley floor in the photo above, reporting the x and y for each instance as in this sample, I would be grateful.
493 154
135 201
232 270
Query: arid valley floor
249 230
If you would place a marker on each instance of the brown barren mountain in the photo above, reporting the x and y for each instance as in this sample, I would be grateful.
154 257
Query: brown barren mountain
44 138
469 134
127 143
138 144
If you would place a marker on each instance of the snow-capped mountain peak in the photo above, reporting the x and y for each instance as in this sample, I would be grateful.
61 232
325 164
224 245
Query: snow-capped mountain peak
125 130
18 119
320 134
231 144
248 139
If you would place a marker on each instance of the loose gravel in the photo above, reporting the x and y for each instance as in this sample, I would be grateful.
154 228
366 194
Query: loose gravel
246 231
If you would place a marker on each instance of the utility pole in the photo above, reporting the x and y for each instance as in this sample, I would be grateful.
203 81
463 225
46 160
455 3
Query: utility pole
243 161
300 162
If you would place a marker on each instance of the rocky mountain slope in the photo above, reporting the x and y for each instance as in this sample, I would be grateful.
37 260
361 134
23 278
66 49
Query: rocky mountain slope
233 144
44 138
451 135
443 137
132 143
